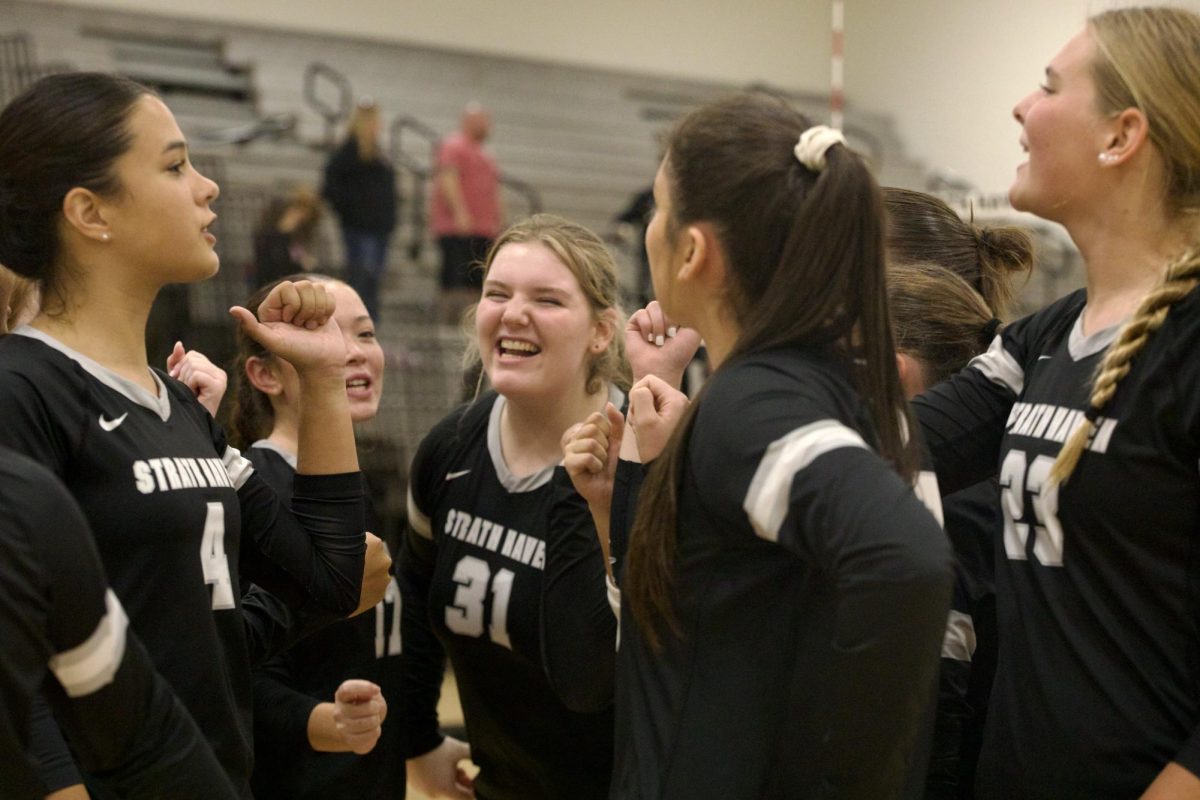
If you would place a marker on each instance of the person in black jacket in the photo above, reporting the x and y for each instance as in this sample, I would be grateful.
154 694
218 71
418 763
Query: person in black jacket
360 184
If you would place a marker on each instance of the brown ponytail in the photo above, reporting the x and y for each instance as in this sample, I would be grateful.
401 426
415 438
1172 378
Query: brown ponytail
805 257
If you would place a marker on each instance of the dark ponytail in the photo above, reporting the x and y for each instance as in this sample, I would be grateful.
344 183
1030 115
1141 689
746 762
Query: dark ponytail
806 269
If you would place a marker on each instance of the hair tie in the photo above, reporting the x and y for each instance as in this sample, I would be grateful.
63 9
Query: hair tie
810 150
989 330
1092 414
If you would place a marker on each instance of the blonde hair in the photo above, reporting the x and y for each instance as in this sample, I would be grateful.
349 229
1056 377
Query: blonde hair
1149 59
584 254
1181 277
367 140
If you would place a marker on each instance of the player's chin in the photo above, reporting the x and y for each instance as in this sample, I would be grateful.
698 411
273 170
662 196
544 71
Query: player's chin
363 409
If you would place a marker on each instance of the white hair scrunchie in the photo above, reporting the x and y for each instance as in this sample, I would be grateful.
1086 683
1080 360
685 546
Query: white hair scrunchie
810 150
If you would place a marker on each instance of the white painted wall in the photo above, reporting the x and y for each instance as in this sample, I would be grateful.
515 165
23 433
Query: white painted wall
949 71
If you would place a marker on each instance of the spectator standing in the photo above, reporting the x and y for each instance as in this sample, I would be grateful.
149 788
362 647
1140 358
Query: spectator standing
467 212
360 185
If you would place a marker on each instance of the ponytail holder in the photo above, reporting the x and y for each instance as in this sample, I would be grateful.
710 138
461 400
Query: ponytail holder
989 330
810 150
1092 414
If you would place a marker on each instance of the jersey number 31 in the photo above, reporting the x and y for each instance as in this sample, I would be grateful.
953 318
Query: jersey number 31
465 615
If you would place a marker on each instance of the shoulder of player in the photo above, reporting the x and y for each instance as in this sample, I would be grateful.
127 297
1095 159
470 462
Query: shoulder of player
33 372
462 429
791 378
1033 333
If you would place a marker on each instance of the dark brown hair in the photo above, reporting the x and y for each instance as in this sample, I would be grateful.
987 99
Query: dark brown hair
923 229
806 267
251 417
63 132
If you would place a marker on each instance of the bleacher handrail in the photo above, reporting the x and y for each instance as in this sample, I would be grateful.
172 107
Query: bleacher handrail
313 73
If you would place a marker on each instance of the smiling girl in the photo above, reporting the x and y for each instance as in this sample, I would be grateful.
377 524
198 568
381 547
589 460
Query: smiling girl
479 498
1091 410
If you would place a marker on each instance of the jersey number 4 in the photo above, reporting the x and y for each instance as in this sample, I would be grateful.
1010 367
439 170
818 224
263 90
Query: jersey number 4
213 559
465 615
1020 480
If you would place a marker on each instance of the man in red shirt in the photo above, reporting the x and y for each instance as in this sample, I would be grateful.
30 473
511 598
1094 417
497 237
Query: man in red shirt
466 213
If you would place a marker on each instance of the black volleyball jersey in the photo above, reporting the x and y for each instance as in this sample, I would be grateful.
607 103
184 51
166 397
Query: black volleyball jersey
1098 681
289 685
58 616
811 588
168 501
471 576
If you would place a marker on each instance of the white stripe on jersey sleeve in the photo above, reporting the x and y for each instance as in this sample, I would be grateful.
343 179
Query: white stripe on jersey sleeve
925 487
766 500
614 602
237 467
959 641
91 665
417 518
1000 367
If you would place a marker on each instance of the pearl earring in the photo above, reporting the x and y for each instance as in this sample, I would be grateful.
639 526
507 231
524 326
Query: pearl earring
104 236
1106 158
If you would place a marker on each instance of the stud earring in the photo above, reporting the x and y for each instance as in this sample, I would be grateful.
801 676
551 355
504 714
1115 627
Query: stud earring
1106 158
104 236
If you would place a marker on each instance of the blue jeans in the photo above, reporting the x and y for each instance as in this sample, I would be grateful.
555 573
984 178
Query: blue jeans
366 261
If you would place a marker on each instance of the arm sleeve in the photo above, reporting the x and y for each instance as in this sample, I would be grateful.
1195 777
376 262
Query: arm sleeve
821 493
313 551
627 484
281 712
579 630
963 418
424 659
124 723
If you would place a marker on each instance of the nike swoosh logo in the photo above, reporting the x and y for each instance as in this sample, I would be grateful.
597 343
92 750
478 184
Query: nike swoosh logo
1042 358
111 424
452 475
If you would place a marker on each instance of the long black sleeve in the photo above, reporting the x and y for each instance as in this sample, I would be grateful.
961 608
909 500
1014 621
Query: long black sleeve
579 629
424 658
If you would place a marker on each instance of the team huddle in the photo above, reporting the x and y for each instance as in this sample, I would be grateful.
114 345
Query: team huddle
893 547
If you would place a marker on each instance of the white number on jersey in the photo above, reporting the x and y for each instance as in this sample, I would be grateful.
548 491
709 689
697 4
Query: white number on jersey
391 645
212 557
1018 479
465 615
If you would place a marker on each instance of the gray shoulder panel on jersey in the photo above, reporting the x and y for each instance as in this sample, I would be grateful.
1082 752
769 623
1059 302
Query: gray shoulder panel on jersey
768 497
237 466
133 392
90 666
998 365
267 444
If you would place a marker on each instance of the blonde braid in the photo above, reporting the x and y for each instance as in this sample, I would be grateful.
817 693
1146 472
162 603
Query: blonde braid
1181 276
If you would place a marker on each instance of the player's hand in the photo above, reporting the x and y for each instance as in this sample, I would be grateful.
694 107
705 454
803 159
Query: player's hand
655 409
295 322
590 451
377 574
359 712
656 346
438 774
204 378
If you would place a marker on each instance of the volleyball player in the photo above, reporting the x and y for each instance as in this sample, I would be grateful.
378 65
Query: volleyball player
100 205
300 749
58 615
773 548
1091 410
480 492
